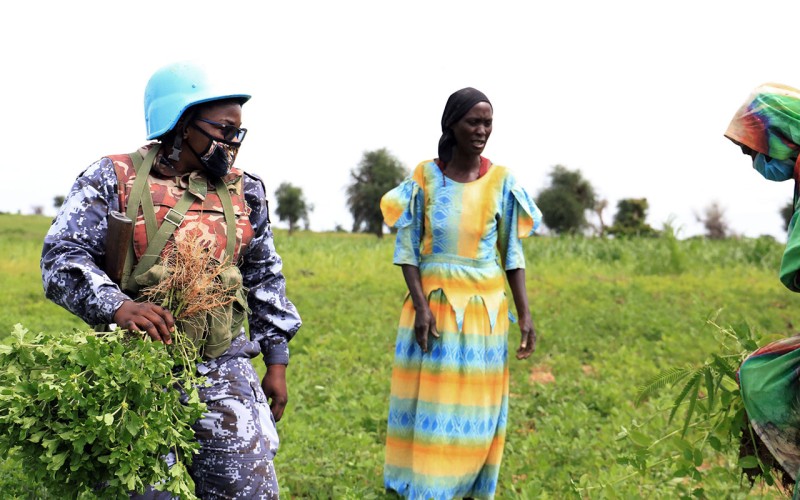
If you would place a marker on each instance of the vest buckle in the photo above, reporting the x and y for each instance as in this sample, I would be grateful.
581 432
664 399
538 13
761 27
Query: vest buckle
174 217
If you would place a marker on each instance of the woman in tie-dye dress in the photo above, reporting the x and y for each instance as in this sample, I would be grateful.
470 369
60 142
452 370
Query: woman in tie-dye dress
449 395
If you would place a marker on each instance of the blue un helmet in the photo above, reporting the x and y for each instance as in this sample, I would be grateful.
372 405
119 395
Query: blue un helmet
174 88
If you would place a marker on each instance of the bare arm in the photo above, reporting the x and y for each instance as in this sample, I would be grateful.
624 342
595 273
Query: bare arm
424 322
527 344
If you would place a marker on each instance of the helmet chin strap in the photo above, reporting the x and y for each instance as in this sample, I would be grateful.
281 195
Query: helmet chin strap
176 148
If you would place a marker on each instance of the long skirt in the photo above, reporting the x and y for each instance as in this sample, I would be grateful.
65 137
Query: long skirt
449 406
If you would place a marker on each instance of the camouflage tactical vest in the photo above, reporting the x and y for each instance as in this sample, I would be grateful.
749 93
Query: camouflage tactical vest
205 221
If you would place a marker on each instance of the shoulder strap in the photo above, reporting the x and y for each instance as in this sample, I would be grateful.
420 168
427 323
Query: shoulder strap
230 218
142 167
143 197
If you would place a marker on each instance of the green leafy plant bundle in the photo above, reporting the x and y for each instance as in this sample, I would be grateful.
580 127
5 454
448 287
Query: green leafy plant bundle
91 414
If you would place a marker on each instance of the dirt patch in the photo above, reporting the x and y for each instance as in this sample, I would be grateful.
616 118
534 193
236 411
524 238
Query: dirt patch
541 374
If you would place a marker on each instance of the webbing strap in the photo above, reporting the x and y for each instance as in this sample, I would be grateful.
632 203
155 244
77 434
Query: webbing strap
142 168
148 209
172 221
230 218
149 212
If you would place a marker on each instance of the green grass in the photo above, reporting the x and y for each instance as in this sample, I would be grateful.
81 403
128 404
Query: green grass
610 314
21 293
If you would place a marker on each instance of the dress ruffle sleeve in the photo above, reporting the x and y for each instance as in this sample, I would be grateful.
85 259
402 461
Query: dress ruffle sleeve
398 204
521 218
402 209
528 215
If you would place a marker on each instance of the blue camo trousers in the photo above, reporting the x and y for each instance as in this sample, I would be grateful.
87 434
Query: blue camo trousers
237 436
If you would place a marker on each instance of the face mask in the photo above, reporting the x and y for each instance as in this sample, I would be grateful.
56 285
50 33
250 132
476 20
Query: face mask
772 169
219 157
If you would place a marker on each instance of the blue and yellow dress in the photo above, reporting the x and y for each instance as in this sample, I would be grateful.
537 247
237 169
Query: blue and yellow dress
448 407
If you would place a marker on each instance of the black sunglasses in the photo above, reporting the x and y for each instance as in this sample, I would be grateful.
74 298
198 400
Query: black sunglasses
229 132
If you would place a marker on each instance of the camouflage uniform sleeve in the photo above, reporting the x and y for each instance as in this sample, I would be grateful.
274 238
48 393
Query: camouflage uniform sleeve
273 318
75 244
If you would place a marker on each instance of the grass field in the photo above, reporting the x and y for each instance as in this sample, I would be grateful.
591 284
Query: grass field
610 314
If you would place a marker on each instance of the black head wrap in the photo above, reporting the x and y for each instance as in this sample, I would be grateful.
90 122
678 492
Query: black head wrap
458 104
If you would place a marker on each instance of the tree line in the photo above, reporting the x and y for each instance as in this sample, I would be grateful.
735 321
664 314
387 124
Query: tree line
376 173
566 203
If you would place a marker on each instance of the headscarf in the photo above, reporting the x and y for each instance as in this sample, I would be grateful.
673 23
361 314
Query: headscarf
769 122
458 104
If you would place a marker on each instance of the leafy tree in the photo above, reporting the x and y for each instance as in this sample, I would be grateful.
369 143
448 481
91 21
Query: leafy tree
292 206
713 218
565 202
630 219
377 172
786 212
58 201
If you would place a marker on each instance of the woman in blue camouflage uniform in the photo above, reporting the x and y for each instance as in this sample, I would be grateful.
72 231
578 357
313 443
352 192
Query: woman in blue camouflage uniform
196 124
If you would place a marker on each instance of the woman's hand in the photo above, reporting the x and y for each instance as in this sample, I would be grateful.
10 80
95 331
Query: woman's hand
527 343
154 320
424 324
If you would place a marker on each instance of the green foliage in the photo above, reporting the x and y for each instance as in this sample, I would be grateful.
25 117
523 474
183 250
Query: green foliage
707 441
562 212
292 205
565 202
21 292
90 414
631 218
668 257
377 172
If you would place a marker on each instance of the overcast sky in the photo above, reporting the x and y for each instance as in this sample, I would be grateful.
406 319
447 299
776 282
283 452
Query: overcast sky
634 94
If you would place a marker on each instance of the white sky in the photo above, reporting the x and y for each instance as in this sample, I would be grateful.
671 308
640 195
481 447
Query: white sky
635 94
